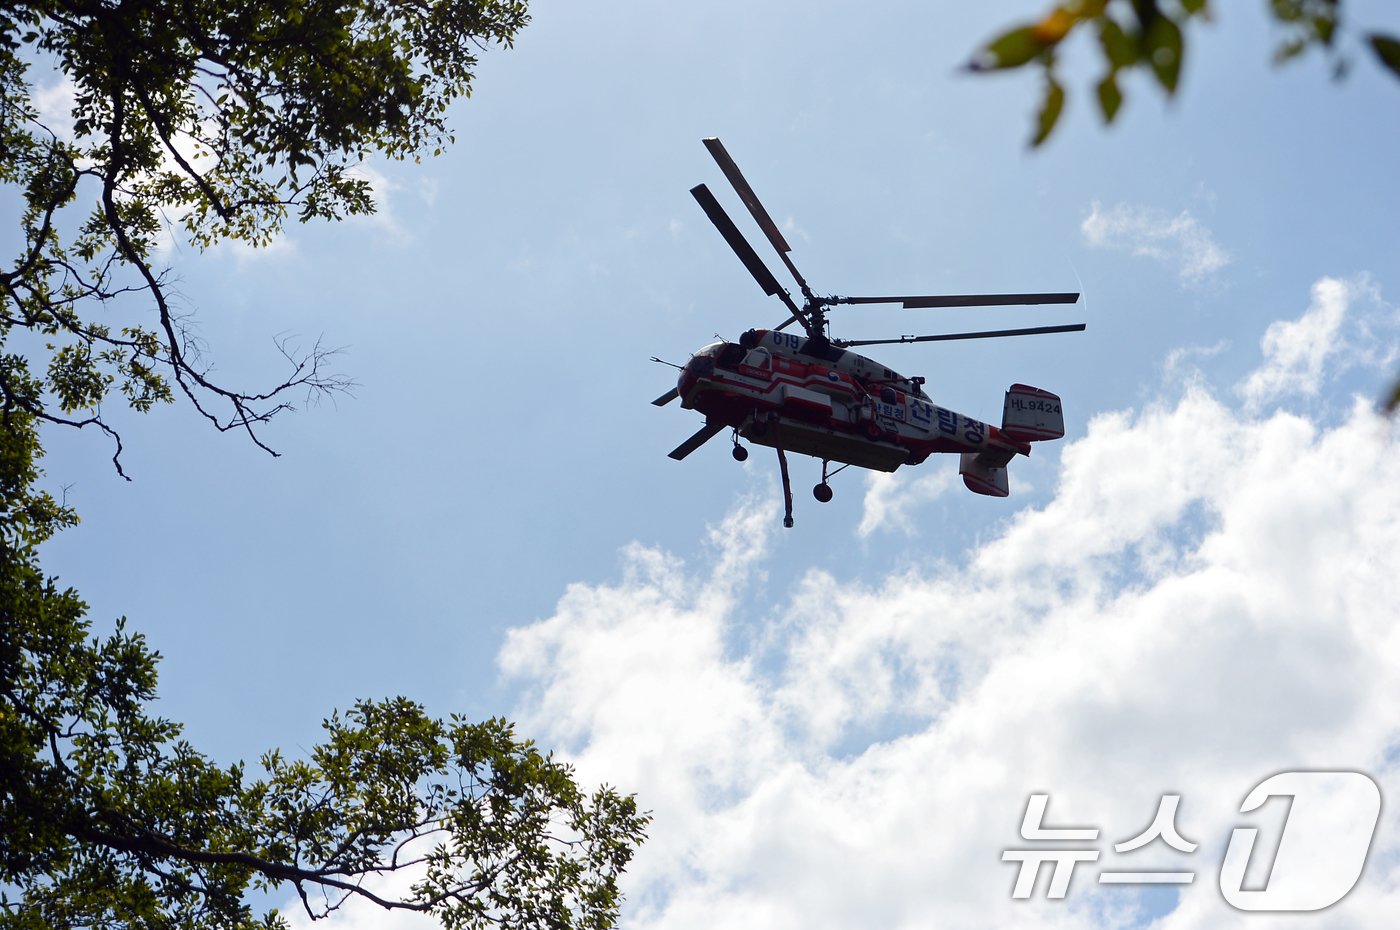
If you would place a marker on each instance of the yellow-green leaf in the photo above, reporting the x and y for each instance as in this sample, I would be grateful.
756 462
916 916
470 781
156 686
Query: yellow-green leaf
1050 109
1110 97
1120 50
1010 50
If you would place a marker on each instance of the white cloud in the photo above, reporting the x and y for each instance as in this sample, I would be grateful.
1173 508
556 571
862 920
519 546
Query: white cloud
382 188
428 190
1180 242
792 230
244 253
54 105
356 913
1296 350
891 498
282 246
1207 600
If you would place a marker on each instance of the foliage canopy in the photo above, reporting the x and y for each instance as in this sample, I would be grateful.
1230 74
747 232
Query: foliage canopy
109 819
212 119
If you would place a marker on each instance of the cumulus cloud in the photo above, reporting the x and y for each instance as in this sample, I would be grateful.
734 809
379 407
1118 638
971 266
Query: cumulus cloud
891 499
1295 351
1208 599
281 247
1181 242
355 916
54 105
382 188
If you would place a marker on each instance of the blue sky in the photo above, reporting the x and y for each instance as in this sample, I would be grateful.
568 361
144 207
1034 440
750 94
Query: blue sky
840 721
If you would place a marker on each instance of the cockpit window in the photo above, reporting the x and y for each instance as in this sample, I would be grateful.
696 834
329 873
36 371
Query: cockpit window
730 355
759 358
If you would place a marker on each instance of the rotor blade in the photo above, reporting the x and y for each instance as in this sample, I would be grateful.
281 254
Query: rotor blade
785 324
746 194
750 199
666 398
741 247
1034 331
964 300
703 435
736 241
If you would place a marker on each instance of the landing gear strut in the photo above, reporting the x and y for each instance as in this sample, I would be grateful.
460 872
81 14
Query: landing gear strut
787 489
822 492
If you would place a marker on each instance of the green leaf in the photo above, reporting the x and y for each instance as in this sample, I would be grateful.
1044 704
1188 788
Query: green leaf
1050 109
1164 48
1325 27
1387 49
1120 50
1110 97
1010 50
1289 50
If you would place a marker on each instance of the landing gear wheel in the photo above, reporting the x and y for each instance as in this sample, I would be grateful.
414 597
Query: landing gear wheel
822 492
739 452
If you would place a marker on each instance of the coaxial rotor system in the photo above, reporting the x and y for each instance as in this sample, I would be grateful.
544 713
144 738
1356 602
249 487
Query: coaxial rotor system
812 312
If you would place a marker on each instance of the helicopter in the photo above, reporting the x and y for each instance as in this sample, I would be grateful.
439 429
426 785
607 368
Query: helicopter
808 393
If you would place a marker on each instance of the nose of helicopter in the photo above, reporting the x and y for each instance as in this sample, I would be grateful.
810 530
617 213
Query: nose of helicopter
699 366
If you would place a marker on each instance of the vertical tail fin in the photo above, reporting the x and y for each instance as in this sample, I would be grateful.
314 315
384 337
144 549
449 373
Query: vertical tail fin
1032 415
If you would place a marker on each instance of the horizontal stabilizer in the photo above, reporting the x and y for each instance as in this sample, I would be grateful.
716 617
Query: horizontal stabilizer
703 435
1032 415
983 478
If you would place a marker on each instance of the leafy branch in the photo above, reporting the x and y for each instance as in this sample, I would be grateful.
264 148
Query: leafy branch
224 121
109 818
1146 35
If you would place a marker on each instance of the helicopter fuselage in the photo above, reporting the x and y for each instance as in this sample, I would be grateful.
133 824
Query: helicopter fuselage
787 391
